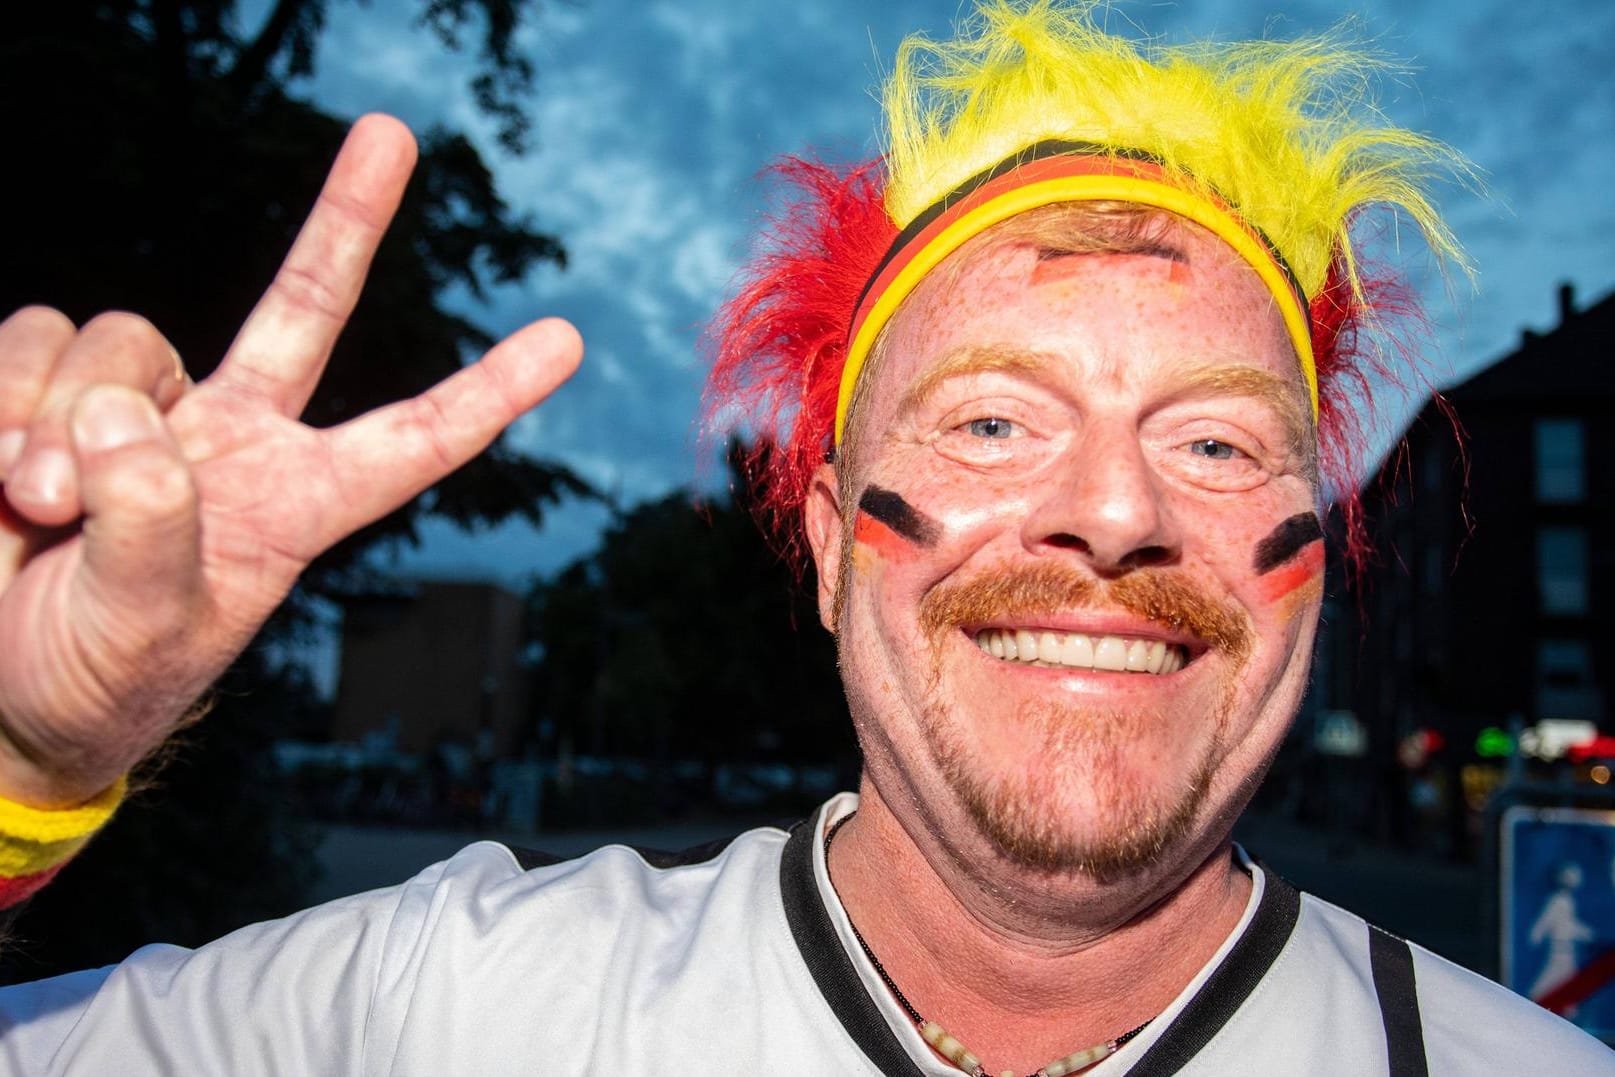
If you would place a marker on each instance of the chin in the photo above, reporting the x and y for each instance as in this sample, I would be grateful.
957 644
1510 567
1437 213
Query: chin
1084 792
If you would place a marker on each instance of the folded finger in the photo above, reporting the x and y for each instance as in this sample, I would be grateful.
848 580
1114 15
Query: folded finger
30 342
389 455
282 348
112 349
142 559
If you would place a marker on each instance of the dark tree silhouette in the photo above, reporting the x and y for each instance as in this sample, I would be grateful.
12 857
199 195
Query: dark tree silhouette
159 161
685 633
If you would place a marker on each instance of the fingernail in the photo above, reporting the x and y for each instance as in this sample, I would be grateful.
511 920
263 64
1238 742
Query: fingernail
179 364
44 478
11 443
111 419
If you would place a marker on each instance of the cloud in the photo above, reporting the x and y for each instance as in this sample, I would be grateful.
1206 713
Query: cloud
653 118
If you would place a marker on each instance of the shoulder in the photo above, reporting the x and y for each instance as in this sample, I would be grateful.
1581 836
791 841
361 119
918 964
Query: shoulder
1469 1024
491 895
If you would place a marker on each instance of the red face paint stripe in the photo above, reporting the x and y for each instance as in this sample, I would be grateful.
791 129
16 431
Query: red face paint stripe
868 531
1303 570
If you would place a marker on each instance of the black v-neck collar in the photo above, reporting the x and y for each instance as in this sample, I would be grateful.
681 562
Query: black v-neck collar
1224 991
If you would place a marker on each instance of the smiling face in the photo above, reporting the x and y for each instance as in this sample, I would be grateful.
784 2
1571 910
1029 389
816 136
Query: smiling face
1075 586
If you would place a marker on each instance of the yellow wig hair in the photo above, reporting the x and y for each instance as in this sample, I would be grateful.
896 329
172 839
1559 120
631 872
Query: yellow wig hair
1284 132
1276 147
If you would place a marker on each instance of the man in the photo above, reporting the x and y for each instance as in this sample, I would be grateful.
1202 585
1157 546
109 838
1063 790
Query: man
1078 355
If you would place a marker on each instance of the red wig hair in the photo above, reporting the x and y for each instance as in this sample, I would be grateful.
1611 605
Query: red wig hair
779 345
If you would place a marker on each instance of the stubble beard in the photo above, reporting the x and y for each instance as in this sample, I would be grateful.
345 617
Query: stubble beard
1081 754
1084 759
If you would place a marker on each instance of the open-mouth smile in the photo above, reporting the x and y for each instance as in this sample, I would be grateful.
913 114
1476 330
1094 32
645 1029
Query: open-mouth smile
1079 650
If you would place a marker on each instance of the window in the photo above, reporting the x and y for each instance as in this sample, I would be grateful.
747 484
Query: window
1560 471
1562 569
1565 686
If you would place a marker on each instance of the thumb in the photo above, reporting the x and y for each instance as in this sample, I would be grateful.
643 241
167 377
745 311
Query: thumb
142 549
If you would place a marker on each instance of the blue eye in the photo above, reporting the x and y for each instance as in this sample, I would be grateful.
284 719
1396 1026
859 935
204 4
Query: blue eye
1213 449
991 428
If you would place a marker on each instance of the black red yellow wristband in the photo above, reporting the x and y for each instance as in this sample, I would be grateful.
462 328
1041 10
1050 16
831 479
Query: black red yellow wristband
36 843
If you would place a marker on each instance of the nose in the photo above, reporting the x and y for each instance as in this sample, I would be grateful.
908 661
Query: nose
1105 501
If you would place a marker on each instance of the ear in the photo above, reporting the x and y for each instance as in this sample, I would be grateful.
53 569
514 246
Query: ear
822 519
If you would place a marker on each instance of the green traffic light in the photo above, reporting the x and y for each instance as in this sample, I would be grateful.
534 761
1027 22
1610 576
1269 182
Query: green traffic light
1492 743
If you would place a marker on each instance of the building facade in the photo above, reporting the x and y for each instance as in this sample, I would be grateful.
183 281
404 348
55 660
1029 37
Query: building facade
1488 607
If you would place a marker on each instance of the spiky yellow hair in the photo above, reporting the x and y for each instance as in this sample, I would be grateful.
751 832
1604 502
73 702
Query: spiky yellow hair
1277 147
1285 132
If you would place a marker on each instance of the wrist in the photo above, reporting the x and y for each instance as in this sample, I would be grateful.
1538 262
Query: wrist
35 843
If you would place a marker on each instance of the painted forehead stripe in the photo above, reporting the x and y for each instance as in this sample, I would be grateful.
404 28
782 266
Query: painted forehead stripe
904 519
1286 540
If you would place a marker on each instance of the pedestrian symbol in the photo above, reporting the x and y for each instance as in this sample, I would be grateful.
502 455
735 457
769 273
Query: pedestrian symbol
1558 906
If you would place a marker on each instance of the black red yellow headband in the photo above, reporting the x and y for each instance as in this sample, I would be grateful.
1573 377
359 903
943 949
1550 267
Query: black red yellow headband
1043 174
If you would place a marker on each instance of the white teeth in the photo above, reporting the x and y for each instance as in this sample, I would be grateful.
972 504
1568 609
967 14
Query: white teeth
1025 646
1157 656
1111 654
1138 656
1075 650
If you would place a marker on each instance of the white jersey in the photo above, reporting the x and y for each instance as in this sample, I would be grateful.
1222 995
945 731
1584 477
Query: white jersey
733 960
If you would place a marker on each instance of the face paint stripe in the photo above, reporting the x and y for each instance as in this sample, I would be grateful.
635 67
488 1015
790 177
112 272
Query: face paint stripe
1287 539
904 519
868 531
1291 577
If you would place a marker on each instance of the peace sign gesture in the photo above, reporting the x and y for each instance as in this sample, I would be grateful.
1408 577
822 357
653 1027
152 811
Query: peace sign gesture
148 526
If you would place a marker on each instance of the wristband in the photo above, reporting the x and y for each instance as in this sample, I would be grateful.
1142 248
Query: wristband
35 843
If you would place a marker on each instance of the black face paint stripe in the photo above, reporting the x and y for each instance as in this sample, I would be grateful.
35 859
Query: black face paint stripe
1288 539
906 520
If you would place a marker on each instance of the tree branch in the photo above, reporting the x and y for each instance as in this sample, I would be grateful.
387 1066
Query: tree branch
252 64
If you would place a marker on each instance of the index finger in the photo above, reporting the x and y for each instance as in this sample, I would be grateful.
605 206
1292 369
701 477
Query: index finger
283 346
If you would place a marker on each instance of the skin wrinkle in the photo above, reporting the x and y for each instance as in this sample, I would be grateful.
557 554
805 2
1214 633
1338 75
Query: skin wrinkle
1281 395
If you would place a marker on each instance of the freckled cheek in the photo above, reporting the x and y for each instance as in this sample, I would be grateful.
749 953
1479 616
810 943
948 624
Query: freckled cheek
966 514
972 509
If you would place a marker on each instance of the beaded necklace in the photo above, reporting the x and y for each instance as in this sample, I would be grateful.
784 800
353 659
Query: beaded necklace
942 1042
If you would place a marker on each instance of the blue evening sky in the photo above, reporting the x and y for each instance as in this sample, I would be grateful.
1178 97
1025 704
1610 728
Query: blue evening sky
653 119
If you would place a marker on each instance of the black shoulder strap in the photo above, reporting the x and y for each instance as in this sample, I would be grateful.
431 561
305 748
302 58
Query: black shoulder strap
1392 963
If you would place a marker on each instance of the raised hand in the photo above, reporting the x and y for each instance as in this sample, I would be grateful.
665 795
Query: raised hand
149 527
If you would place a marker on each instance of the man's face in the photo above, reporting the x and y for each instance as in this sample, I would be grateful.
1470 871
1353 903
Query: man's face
1084 566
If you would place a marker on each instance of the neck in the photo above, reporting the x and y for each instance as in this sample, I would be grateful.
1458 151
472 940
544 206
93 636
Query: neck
1026 967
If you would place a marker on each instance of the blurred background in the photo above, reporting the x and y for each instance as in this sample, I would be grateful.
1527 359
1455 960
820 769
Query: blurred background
582 638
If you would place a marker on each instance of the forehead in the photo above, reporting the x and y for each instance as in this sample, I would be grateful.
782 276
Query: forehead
1175 307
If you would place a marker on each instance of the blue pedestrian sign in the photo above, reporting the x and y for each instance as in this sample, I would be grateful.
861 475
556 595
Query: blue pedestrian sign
1557 877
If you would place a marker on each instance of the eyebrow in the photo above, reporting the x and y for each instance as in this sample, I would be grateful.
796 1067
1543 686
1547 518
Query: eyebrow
1236 380
963 362
1280 394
